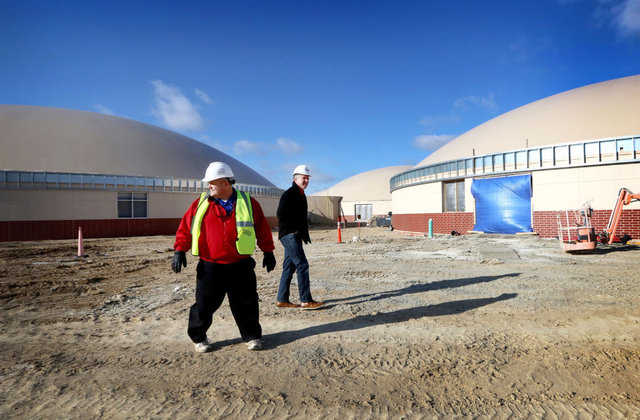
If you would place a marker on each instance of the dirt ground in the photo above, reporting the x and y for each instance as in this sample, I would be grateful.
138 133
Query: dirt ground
473 326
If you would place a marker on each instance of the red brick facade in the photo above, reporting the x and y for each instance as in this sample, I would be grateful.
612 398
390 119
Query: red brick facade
545 223
107 228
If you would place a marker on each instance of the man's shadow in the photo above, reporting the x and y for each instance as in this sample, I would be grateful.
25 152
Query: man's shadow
419 288
402 315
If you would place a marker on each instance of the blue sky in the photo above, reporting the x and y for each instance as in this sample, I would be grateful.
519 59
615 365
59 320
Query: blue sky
345 86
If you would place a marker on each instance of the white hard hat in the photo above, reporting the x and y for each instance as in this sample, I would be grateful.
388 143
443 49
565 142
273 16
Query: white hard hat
217 170
302 170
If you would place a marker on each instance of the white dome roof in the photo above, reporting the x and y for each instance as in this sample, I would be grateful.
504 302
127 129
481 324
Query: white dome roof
365 186
597 111
61 140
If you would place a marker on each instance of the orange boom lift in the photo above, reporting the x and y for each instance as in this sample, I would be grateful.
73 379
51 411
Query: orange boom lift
575 230
625 197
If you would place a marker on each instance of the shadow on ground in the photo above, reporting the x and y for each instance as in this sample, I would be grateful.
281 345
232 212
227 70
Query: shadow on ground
402 315
419 288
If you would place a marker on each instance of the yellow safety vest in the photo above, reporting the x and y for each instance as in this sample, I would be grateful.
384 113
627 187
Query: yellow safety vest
246 241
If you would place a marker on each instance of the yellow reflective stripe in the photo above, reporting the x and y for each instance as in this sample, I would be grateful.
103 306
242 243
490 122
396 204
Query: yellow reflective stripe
196 223
246 241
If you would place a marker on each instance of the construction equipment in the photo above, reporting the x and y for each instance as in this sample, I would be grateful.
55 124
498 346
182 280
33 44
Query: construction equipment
580 234
625 197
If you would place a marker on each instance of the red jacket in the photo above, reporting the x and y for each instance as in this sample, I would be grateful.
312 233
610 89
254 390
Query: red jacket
218 233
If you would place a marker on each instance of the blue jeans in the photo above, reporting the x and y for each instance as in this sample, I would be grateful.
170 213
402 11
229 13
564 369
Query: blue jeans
294 260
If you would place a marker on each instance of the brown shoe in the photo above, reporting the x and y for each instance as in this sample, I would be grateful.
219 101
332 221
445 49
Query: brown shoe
287 305
311 305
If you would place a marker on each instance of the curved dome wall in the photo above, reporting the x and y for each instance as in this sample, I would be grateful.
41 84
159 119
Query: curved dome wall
601 110
366 194
370 185
579 146
61 140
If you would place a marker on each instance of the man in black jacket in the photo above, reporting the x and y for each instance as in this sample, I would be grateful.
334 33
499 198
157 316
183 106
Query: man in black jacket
293 229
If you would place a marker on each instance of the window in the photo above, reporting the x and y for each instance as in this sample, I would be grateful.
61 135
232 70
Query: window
521 160
488 164
534 158
469 166
453 193
498 163
479 168
509 161
608 150
576 154
547 156
562 155
132 205
592 152
625 149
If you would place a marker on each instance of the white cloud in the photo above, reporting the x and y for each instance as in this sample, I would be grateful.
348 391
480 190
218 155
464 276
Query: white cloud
103 109
203 96
288 146
627 17
488 102
432 142
245 146
434 121
174 109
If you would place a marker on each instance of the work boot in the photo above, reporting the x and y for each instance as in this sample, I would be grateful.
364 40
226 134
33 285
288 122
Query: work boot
255 344
311 305
204 346
287 305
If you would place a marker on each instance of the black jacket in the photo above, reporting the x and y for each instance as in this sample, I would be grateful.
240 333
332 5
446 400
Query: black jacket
292 213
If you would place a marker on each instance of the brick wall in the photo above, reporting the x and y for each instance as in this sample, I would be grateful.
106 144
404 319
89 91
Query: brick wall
106 228
545 223
442 222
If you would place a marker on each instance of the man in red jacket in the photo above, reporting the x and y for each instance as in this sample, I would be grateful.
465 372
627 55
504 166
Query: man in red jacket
221 227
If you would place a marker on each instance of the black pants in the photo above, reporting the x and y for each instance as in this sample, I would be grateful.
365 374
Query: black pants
214 281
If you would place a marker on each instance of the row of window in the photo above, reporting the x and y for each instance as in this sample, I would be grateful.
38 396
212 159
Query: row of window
566 155
60 180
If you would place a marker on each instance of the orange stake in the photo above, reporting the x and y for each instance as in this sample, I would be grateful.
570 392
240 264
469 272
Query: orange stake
339 234
80 246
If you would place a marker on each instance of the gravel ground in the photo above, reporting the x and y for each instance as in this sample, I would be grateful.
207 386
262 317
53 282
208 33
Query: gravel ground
472 326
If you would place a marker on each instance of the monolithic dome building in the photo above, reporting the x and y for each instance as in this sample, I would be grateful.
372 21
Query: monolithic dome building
61 169
518 171
366 194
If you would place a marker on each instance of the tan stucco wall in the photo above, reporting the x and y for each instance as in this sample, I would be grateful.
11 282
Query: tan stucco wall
163 205
87 205
469 201
425 198
269 205
57 205
557 189
323 208
380 207
569 188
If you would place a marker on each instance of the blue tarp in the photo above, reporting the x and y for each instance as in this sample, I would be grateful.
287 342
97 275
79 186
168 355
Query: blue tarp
503 205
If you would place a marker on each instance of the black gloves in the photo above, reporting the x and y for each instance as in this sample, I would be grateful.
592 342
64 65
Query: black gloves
269 261
306 239
179 259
